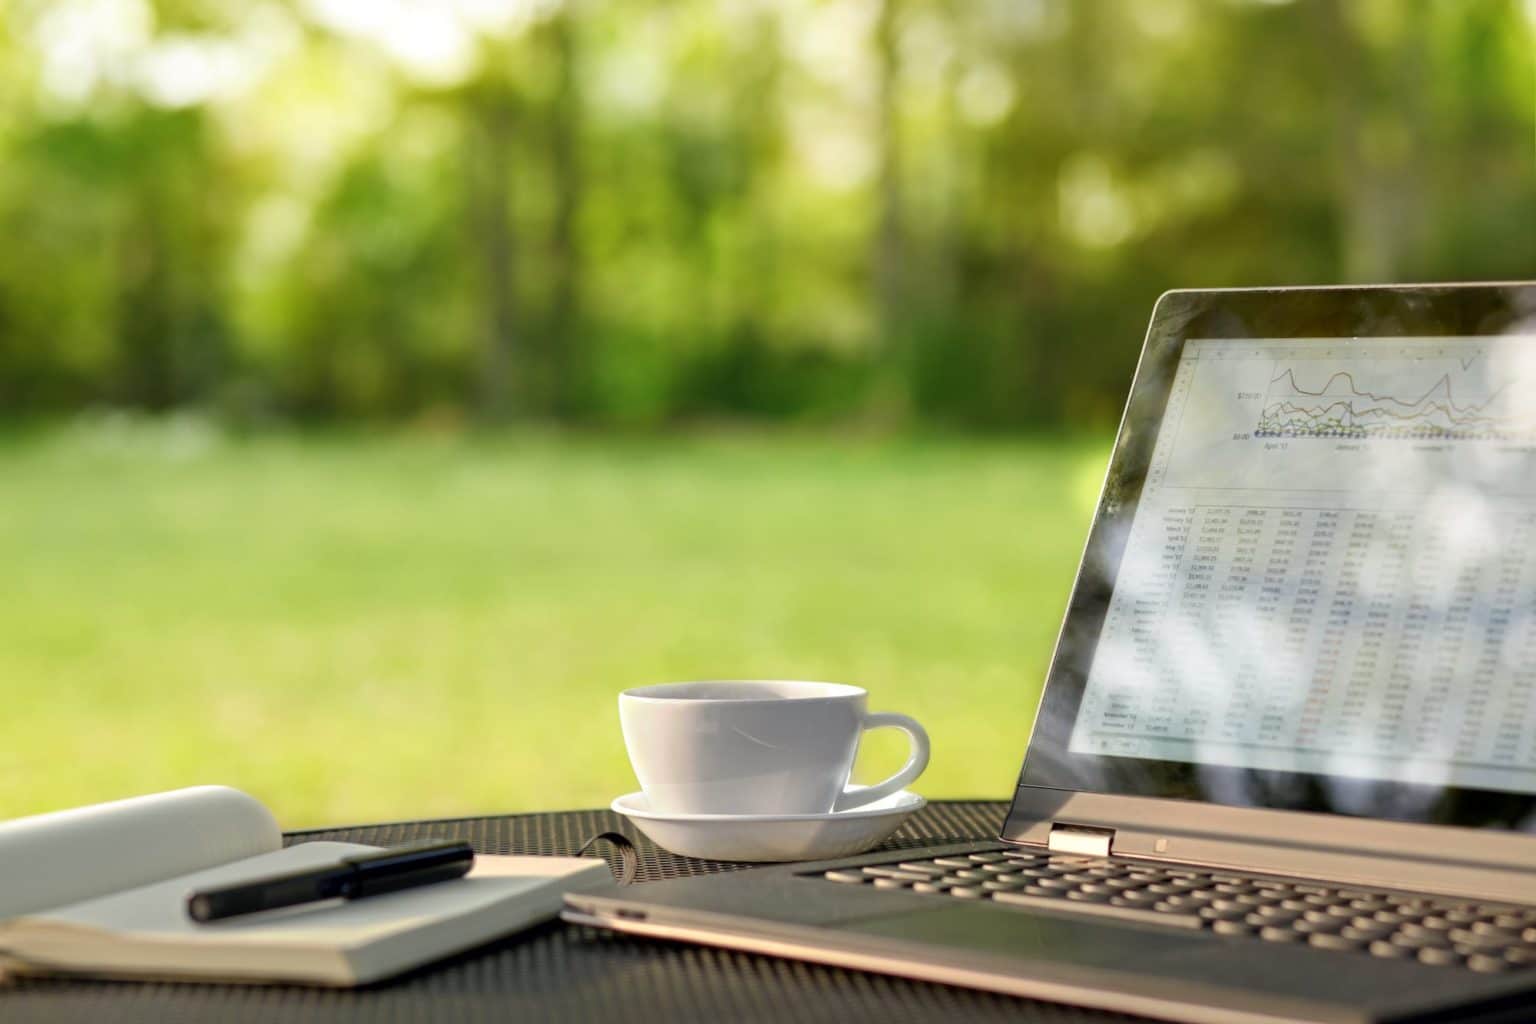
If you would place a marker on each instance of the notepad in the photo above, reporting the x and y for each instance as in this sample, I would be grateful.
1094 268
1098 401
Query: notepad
102 891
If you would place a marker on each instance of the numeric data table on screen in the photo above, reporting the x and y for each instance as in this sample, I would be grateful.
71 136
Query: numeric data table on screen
1332 566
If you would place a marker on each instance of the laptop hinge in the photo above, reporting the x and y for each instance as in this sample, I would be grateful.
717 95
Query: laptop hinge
1080 839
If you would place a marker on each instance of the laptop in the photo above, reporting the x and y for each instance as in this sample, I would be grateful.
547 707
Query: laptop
1284 764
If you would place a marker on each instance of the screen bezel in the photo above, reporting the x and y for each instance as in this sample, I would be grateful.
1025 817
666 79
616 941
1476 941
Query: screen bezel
1345 313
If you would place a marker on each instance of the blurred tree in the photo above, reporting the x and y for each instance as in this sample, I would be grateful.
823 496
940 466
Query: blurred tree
565 344
924 210
490 175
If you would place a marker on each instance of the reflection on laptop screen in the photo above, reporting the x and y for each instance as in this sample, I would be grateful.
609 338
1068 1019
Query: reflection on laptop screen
1331 566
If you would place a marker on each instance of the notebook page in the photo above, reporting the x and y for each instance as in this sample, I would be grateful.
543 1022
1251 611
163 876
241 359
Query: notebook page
50 860
158 910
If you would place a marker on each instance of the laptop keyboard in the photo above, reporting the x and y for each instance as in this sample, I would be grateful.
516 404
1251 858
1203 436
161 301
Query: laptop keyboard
1432 930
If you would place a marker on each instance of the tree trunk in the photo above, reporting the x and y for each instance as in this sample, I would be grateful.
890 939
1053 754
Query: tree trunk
889 257
566 357
490 205
1378 181
756 113
145 317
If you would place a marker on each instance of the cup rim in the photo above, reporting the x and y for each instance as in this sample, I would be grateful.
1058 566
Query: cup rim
678 692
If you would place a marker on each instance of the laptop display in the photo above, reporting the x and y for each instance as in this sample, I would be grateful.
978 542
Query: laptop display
1312 585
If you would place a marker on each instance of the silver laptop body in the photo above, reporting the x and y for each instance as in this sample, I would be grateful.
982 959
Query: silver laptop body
1284 767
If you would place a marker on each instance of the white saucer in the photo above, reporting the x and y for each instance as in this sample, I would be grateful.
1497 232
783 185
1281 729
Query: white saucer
771 837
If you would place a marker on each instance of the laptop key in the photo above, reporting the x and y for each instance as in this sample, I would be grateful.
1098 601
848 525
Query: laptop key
1276 933
1074 861
922 867
1329 940
1233 914
1306 926
1390 950
1277 915
893 883
1232 928
1019 899
951 862
1038 872
1137 898
880 871
1497 929
1187 902
1370 905
968 892
1487 964
1512 921
939 886
1439 956
1477 940
844 875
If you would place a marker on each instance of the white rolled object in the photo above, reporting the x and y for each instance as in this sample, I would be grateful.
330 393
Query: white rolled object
51 860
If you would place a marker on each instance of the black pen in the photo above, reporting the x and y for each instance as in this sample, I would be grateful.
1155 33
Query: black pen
401 867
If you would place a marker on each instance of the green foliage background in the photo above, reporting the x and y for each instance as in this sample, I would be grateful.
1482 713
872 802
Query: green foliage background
737 285
650 213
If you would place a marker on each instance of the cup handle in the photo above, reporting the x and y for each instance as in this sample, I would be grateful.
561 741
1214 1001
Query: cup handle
917 760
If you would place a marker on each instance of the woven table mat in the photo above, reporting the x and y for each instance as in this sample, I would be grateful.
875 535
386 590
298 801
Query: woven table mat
563 973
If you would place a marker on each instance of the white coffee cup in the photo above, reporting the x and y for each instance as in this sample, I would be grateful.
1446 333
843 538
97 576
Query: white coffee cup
757 746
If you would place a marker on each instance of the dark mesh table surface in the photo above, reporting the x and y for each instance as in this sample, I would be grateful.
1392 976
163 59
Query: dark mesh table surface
565 973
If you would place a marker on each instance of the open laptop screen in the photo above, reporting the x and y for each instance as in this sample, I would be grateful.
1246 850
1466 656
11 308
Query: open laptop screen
1313 577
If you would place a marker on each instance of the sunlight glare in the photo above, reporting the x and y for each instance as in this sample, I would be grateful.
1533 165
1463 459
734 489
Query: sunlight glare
87 43
430 42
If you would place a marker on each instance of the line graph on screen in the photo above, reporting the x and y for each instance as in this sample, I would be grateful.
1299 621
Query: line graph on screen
1407 399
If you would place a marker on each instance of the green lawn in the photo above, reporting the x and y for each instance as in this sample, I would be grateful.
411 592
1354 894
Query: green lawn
381 627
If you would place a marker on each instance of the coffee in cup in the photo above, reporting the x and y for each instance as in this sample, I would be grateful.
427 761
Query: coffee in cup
757 746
